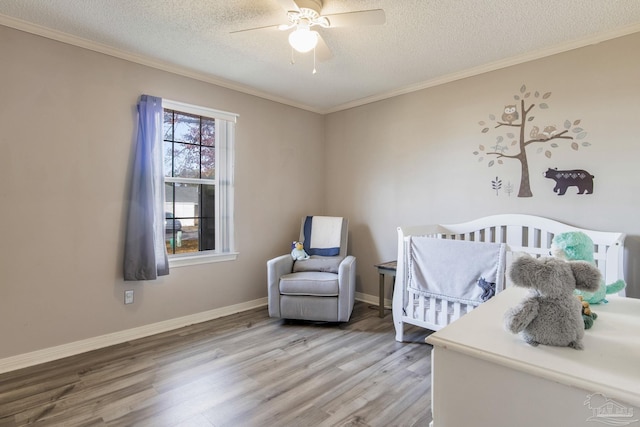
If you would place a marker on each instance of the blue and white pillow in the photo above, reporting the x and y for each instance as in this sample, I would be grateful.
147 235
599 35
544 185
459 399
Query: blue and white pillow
322 235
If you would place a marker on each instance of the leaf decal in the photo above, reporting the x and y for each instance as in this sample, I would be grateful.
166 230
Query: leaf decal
554 145
491 163
523 88
539 150
481 123
510 135
576 123
526 95
537 94
586 144
485 130
567 124
574 145
481 147
548 154
492 117
516 97
581 135
544 106
475 153
546 95
500 161
531 118
577 130
514 142
499 139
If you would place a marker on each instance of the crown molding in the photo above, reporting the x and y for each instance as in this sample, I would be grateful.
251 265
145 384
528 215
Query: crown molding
186 72
63 37
493 66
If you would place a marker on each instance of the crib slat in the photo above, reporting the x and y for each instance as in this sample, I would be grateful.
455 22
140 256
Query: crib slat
531 237
432 310
456 311
442 316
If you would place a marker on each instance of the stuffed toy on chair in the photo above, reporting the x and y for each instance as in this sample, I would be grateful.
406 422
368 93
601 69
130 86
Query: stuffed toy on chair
550 314
298 253
577 246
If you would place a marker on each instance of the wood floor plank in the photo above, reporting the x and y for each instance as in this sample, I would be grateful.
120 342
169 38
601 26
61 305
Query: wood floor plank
245 370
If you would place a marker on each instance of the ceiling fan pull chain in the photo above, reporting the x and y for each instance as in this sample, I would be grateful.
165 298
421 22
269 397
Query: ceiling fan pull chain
314 60
293 60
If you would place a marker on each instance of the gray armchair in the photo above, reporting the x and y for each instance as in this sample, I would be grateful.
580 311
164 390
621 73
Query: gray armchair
321 288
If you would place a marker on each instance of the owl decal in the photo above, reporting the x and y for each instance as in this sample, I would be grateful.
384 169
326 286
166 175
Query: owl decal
510 114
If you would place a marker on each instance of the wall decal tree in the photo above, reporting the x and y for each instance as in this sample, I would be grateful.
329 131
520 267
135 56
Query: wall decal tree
513 145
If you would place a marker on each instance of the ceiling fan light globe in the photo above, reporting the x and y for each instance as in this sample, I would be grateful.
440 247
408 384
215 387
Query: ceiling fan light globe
303 40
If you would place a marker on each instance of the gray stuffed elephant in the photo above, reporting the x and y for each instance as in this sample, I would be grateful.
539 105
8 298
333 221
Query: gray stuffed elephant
550 314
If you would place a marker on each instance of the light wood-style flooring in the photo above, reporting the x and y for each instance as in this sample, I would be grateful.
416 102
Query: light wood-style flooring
241 370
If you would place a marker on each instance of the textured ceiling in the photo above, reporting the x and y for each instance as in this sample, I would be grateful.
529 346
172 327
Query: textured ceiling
423 42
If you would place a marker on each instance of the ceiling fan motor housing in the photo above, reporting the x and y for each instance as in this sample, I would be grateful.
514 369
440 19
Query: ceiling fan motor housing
314 5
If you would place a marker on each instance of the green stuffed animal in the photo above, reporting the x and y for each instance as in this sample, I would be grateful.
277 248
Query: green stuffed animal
577 246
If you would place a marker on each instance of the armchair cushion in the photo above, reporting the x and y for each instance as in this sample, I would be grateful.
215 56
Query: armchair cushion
310 283
318 263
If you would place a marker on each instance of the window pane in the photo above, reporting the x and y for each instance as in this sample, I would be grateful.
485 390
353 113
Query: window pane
208 159
187 128
186 204
186 160
168 125
208 132
207 218
168 158
168 197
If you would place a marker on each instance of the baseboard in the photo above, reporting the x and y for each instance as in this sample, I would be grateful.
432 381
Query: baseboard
77 347
372 299
65 350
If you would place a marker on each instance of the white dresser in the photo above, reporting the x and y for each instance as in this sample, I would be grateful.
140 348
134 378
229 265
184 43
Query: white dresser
485 376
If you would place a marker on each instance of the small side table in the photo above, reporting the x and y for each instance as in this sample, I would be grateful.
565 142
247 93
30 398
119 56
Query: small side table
386 268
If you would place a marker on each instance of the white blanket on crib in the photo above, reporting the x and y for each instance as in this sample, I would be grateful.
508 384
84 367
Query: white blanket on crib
451 269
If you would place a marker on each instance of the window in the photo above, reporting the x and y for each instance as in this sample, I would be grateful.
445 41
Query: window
198 183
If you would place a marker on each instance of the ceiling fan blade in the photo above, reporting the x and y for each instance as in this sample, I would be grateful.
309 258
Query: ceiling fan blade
288 5
267 27
361 17
323 53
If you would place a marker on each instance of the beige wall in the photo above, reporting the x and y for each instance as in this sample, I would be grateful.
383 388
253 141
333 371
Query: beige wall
409 160
67 120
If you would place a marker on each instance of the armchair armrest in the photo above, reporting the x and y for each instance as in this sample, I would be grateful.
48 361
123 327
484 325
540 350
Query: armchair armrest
276 268
346 287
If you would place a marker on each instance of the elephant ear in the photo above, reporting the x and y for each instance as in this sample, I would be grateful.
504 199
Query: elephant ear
588 277
522 271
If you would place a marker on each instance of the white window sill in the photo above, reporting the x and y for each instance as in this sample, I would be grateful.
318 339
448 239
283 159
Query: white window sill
200 258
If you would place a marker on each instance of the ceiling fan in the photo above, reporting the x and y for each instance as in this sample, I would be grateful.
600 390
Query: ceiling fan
303 15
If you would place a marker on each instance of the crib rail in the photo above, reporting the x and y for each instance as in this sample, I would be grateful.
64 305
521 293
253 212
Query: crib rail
521 233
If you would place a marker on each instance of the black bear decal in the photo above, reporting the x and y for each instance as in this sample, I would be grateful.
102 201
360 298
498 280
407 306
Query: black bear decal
564 179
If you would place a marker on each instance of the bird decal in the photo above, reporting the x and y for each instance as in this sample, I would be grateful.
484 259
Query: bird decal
510 114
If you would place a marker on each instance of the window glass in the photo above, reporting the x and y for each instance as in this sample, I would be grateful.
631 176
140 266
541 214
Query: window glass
198 213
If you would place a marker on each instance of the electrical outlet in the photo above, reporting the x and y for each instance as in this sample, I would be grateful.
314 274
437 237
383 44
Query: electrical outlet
128 296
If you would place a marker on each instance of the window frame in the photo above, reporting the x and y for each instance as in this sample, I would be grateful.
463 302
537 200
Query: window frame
224 201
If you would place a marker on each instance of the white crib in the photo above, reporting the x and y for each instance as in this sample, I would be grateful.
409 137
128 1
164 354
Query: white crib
521 233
